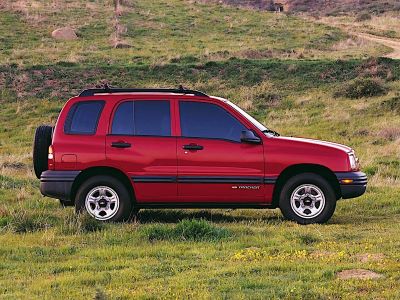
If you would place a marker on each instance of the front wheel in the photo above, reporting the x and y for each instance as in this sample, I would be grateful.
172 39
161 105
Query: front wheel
307 198
104 198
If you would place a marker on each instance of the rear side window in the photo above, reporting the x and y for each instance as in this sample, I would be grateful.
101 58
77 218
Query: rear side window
207 120
150 117
83 117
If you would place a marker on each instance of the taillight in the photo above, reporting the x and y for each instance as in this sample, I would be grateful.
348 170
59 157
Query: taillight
50 158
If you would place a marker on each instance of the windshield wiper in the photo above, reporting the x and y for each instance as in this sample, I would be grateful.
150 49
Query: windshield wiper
270 131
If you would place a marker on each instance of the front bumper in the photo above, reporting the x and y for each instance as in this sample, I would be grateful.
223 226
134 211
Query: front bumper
352 184
57 184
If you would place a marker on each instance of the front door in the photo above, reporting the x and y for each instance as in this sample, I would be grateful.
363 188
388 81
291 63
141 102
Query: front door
213 164
141 144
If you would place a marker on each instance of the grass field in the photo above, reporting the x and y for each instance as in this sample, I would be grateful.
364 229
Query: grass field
385 25
297 77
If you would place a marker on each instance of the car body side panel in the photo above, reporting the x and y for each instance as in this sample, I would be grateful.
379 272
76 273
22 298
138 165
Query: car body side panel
150 164
224 171
155 177
282 153
87 150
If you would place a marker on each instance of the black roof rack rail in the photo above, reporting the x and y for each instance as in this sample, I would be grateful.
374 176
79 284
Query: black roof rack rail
112 90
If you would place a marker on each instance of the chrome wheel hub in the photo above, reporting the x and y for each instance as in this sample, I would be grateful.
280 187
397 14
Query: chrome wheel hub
307 201
102 203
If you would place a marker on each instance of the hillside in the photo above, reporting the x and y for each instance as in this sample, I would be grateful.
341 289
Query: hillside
297 76
319 7
346 7
162 32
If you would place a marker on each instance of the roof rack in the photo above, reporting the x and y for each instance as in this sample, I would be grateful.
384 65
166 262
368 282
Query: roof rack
111 90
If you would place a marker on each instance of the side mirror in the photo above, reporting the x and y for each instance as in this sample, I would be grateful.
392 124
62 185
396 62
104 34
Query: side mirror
248 136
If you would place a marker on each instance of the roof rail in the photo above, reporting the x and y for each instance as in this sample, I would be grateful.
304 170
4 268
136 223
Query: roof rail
111 90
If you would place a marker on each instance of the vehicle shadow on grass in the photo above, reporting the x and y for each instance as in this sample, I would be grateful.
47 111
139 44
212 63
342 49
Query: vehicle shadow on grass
215 216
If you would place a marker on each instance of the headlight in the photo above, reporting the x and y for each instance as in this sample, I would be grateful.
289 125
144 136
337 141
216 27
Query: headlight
353 161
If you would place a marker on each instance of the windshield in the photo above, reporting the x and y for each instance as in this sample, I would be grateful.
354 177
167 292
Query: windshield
260 126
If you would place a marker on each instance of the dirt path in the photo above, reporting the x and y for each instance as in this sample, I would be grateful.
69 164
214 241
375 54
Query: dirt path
394 44
391 43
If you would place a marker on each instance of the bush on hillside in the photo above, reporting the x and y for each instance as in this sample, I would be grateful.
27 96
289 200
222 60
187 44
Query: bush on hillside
363 17
392 105
362 87
376 67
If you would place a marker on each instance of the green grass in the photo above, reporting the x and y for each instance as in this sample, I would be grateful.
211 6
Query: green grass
161 32
282 69
215 253
262 254
186 230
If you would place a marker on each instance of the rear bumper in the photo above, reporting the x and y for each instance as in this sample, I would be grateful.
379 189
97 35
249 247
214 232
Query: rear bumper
352 184
57 184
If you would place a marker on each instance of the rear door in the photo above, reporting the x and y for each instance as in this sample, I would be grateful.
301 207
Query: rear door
213 164
140 142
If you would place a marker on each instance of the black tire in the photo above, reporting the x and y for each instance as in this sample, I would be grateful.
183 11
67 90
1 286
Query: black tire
65 203
41 143
285 203
125 209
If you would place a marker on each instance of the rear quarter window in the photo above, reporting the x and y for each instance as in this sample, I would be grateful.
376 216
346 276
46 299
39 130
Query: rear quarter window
83 117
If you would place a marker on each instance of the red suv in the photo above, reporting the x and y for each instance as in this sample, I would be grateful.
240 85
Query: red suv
114 151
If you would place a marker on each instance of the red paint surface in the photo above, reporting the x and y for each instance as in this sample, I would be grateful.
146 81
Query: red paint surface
164 156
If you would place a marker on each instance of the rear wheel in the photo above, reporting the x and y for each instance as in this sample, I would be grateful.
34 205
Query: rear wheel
42 141
104 198
307 198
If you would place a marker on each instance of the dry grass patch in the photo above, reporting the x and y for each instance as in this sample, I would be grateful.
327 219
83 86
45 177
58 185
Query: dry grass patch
350 43
391 105
260 96
370 257
358 274
386 25
390 133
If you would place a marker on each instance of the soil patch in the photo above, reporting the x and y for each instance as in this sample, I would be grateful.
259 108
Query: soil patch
370 257
358 274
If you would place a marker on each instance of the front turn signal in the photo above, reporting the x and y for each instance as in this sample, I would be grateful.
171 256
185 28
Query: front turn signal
347 181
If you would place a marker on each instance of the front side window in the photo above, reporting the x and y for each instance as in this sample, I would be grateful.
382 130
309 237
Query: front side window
151 117
83 117
207 120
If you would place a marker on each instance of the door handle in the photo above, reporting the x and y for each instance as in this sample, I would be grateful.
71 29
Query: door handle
193 147
120 145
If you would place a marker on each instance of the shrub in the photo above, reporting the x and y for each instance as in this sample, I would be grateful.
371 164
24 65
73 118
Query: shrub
376 67
266 100
392 105
362 87
186 230
363 17
157 232
99 295
80 223
199 230
22 221
4 221
370 170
